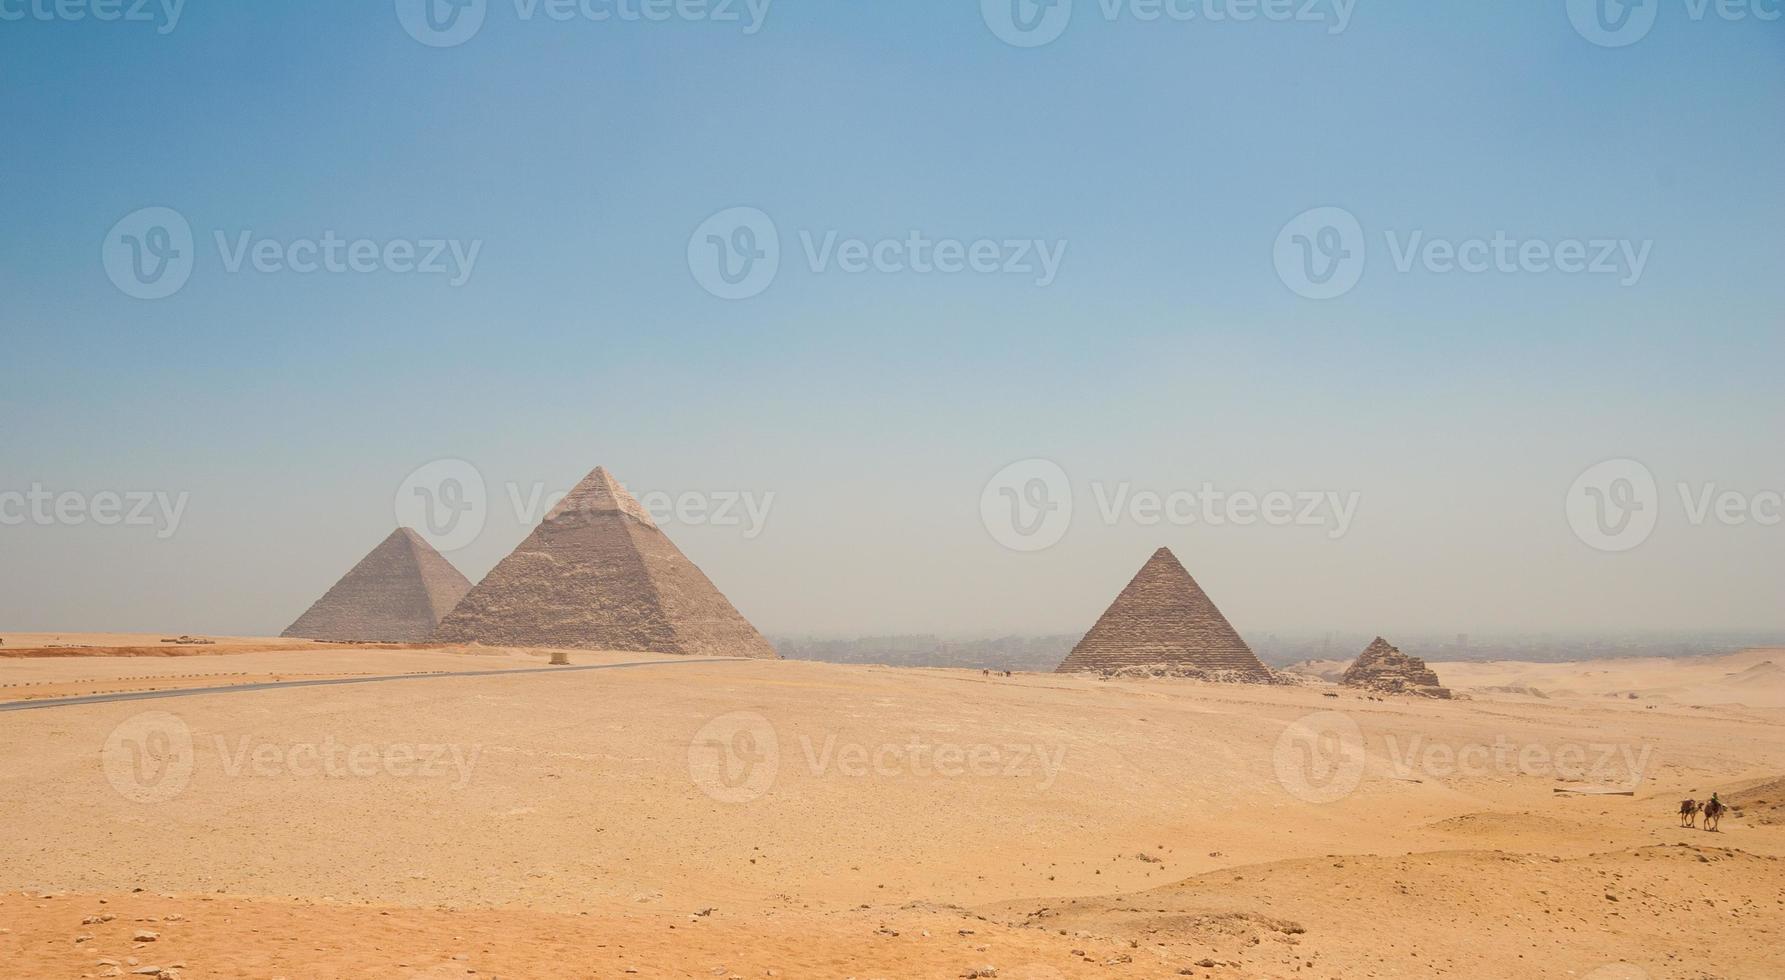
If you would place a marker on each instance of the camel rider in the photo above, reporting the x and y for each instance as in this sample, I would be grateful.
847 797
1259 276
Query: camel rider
1715 801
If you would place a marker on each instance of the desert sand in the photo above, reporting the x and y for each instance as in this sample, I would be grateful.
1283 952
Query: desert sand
756 818
1755 678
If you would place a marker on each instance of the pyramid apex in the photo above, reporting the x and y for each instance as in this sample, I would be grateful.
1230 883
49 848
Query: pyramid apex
417 541
1379 650
601 493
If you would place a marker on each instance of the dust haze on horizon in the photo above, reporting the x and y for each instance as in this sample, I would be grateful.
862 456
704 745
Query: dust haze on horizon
848 554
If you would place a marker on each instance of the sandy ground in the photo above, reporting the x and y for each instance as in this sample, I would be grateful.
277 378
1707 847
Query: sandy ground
835 821
1753 677
33 678
37 645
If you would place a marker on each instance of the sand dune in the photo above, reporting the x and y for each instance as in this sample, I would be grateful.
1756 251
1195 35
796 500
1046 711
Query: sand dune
1760 803
1474 913
834 815
1753 678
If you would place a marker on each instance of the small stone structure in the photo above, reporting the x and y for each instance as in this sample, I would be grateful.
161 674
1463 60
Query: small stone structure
396 594
598 574
1385 669
1164 619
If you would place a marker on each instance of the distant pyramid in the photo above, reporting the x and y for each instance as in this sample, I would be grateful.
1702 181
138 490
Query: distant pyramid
1383 667
396 594
1164 618
599 575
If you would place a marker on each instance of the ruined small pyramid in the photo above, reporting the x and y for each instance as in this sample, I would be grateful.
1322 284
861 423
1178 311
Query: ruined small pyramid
1383 667
598 574
1163 618
396 594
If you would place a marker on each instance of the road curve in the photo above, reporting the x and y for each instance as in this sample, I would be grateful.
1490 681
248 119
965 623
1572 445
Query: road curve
328 682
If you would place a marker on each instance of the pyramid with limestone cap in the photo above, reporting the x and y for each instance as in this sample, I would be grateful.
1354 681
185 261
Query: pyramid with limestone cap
1164 618
396 594
600 493
598 574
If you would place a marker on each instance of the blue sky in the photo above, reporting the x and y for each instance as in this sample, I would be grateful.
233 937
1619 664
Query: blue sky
1168 354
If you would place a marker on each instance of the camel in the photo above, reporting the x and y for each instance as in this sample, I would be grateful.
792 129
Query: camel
1689 812
1713 814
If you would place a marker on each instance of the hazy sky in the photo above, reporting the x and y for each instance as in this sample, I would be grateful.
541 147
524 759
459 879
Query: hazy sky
1169 349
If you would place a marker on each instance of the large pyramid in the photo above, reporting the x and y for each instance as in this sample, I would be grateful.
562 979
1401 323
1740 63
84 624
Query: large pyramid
1383 667
1164 618
598 574
396 594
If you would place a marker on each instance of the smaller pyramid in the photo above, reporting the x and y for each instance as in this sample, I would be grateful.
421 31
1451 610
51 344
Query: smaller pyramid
397 594
1383 667
1164 619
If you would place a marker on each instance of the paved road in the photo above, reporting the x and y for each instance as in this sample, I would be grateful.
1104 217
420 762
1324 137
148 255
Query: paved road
329 682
